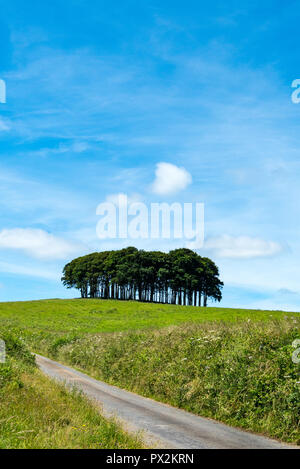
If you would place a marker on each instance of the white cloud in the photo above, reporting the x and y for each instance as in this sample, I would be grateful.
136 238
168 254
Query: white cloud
242 247
37 243
30 271
170 179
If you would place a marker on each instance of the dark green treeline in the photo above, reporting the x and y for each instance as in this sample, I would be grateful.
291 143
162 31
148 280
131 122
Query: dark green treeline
179 277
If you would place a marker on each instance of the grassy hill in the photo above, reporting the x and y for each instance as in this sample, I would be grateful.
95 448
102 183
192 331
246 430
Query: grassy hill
91 316
233 365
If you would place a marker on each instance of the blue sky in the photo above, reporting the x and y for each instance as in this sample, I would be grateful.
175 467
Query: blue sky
100 93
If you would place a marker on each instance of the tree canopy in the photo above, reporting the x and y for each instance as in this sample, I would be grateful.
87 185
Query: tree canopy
178 277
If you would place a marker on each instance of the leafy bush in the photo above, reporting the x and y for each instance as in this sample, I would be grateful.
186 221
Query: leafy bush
18 359
54 347
16 348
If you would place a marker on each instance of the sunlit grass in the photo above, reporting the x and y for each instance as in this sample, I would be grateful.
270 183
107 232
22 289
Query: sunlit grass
233 365
90 316
240 373
36 412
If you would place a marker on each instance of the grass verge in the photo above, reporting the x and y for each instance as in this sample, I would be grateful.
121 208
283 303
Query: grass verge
233 365
37 413
241 374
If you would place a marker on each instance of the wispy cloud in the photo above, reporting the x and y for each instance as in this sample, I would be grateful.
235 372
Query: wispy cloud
83 122
30 271
242 247
37 243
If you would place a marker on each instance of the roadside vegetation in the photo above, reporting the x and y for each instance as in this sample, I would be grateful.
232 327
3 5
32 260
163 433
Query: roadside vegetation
240 374
36 413
231 365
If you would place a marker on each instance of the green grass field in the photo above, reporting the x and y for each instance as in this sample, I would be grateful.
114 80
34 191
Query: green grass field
233 365
91 316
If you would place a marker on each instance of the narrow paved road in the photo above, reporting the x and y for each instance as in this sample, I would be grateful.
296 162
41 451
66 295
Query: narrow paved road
163 426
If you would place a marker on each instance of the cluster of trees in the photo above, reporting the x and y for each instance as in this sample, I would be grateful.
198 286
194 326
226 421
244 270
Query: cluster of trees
179 277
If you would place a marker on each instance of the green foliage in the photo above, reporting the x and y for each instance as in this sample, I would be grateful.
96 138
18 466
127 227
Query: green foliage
42 414
36 322
182 276
6 375
38 413
16 348
241 374
18 359
60 342
233 365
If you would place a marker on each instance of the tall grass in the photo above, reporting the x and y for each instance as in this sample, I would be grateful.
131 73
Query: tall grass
38 413
233 365
241 374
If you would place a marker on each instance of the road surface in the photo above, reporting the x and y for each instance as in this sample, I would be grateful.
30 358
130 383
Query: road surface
163 426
